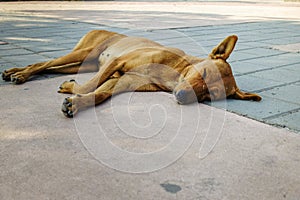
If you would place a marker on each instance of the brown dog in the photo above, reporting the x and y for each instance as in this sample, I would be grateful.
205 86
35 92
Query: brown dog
137 64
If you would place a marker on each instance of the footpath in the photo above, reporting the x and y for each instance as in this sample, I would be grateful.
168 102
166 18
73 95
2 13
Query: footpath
254 147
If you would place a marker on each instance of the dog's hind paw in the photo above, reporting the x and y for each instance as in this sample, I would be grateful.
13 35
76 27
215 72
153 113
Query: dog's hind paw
17 78
7 75
68 108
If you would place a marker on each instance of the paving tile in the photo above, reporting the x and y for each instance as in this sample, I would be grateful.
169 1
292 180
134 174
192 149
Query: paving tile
292 48
25 40
208 44
288 93
114 29
43 33
289 120
261 52
278 74
65 40
208 31
76 35
294 68
277 60
5 65
271 31
176 41
165 36
240 47
240 56
252 83
6 33
21 61
255 37
193 49
55 54
255 44
2 61
242 67
258 110
282 40
7 46
14 52
42 46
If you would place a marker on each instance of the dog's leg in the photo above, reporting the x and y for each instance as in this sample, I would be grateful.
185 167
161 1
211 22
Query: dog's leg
73 68
89 64
6 75
245 96
104 74
71 105
22 74
113 86
89 47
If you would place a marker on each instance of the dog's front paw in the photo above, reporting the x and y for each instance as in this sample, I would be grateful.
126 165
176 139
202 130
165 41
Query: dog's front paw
68 108
68 87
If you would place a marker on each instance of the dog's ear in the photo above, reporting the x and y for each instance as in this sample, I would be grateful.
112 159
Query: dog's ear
224 49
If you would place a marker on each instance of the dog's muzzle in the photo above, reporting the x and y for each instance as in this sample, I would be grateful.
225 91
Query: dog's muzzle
185 96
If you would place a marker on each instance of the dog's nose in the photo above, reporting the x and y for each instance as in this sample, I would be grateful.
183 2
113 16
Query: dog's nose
181 96
185 96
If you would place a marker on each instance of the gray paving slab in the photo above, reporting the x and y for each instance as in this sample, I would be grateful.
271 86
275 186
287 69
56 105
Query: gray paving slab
267 108
55 54
244 67
3 66
288 93
292 48
253 83
259 51
294 67
284 75
7 46
14 52
42 46
276 60
291 119
24 60
240 56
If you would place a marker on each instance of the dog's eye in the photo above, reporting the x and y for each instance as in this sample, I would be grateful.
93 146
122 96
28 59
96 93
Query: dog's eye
204 74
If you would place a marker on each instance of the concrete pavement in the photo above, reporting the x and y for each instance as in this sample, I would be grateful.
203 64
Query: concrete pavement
46 156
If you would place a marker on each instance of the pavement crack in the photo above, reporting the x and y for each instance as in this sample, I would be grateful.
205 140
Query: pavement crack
275 86
267 69
282 114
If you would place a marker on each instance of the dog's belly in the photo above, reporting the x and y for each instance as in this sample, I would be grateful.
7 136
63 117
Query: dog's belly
125 46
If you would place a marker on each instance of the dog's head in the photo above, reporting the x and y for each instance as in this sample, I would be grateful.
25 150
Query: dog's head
212 78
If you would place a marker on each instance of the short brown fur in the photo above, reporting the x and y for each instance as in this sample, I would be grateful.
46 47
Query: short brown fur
137 64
